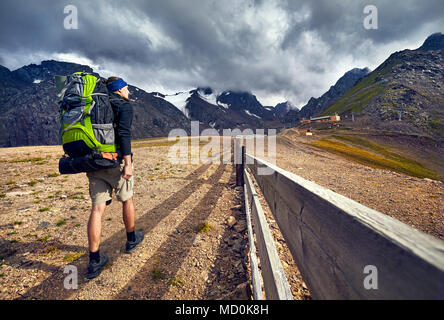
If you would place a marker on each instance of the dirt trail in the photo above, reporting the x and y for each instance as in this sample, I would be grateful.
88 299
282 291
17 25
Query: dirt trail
43 219
43 225
414 201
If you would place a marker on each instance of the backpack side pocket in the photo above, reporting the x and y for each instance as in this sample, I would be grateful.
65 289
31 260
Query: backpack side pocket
104 133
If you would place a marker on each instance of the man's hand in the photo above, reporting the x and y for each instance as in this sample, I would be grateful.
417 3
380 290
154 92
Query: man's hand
128 168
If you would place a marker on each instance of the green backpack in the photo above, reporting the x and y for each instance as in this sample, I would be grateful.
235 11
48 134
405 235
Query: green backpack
86 115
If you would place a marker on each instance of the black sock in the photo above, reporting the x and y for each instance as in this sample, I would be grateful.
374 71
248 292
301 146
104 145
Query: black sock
94 256
131 236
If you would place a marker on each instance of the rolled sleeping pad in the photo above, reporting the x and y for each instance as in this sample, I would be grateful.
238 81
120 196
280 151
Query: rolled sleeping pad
89 163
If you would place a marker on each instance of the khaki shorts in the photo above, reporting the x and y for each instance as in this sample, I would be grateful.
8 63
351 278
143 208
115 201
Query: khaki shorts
102 183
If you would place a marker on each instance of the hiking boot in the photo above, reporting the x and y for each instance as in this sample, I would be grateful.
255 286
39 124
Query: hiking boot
131 245
95 268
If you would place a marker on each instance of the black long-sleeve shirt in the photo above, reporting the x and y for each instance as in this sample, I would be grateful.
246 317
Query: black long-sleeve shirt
123 118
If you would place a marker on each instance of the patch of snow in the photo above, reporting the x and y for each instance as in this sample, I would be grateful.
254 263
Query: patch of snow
226 106
179 100
291 106
37 81
251 114
210 98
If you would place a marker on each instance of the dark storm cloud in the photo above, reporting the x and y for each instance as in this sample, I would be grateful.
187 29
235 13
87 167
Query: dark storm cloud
396 20
39 25
283 49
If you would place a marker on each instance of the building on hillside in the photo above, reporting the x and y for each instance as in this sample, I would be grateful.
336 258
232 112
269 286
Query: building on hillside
326 118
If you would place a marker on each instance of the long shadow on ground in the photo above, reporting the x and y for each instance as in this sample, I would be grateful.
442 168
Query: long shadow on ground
178 247
52 288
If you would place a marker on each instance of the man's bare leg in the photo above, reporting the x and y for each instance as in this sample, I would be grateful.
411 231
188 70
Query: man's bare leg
95 226
96 260
133 238
128 215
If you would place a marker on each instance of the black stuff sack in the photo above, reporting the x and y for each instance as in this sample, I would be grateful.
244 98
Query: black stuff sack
91 162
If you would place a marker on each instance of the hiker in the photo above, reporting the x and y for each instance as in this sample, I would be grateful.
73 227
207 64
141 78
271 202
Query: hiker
120 178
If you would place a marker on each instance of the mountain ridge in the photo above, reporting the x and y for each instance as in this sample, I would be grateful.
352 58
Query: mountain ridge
29 112
408 85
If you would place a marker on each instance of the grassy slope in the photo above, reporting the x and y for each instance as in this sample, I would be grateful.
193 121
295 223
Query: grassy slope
374 155
357 98
437 122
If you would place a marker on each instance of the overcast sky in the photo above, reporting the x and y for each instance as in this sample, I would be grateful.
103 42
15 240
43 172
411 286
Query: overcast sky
279 50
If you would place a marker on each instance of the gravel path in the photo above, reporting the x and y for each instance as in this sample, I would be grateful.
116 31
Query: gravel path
190 250
414 201
417 202
43 228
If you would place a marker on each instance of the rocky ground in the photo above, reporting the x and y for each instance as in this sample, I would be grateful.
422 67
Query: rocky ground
189 251
192 215
414 201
